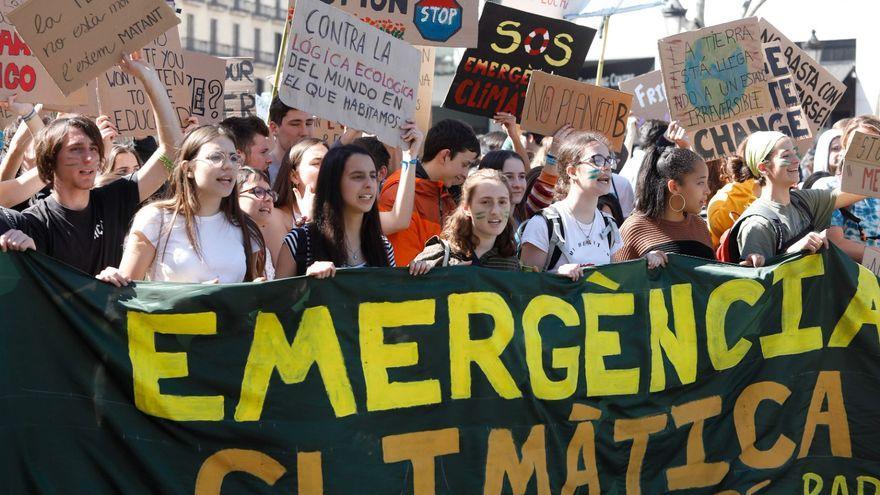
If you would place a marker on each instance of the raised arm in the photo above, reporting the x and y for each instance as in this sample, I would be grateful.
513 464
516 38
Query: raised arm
155 171
508 121
401 214
14 157
19 189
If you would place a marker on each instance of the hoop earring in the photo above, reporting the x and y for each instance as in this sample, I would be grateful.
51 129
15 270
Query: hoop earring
683 203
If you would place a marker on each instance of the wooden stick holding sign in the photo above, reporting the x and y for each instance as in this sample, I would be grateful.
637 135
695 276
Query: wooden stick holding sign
861 166
553 101
79 41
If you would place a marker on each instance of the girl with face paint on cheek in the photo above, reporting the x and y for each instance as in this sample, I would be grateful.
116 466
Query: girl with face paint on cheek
590 238
771 157
479 232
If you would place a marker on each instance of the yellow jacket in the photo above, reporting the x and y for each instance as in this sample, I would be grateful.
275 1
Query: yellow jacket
727 205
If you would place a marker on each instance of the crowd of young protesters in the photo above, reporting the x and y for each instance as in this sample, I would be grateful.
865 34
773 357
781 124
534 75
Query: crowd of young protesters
245 201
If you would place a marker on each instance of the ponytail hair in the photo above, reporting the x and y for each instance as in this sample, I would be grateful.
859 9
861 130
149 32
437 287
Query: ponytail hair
738 170
661 165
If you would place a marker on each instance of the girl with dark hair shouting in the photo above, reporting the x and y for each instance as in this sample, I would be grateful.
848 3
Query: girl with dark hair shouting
345 230
673 186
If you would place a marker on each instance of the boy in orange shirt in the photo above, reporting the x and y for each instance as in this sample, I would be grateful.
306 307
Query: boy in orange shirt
451 148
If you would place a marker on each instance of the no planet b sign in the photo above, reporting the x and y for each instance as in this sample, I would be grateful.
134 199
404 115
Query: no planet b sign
437 20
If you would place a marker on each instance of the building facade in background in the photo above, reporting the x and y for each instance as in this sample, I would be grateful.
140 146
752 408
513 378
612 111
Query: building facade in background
236 28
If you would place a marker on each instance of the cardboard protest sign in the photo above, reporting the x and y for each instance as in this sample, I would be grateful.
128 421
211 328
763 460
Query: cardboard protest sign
649 96
449 23
342 69
786 115
493 77
861 166
239 92
78 40
553 101
328 131
22 73
715 75
871 260
205 76
818 89
426 89
122 96
90 108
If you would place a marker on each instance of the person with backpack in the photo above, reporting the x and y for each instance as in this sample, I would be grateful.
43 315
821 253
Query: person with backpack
573 233
672 188
480 230
781 220
345 230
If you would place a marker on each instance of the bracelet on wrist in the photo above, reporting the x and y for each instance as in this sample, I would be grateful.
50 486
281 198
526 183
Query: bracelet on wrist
550 159
29 116
415 162
166 162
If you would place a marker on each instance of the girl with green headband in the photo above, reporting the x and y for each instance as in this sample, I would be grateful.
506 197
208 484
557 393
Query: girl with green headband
783 220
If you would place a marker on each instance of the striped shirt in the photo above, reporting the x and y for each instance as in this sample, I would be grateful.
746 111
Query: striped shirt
297 241
642 235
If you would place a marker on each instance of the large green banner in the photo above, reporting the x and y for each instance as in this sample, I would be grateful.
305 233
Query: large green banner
696 378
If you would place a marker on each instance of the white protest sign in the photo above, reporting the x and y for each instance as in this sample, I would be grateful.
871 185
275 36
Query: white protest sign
78 40
861 166
649 96
342 69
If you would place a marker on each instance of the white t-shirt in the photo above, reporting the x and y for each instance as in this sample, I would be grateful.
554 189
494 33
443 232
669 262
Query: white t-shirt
584 243
222 257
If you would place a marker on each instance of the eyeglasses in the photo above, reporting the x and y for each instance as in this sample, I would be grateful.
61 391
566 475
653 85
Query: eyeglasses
261 193
599 161
217 159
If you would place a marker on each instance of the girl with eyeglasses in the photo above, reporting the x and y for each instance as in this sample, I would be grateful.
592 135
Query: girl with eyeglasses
346 230
572 233
256 198
200 234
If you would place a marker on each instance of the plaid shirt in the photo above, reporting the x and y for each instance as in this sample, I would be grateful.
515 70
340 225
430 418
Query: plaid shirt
868 210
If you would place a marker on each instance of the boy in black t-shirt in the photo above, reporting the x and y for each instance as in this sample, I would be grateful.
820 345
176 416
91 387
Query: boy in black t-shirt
86 227
11 236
